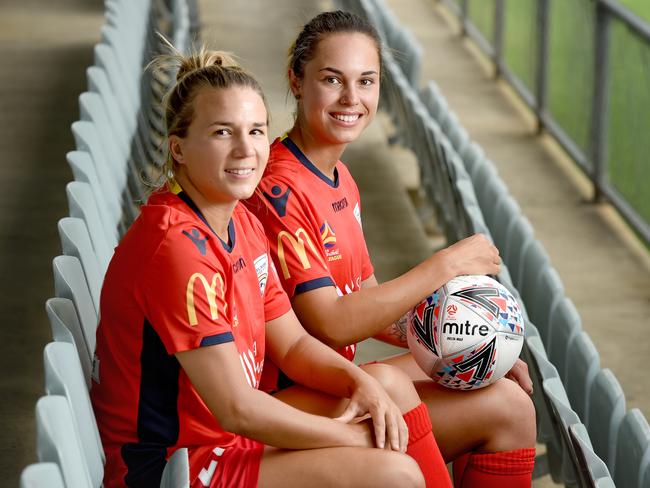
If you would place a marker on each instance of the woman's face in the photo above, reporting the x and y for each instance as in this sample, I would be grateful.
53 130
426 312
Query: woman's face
226 147
339 91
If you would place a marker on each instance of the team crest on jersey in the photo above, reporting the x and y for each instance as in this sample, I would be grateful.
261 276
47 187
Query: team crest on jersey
357 213
328 237
261 263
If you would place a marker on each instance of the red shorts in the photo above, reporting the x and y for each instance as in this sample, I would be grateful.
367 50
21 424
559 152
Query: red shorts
225 467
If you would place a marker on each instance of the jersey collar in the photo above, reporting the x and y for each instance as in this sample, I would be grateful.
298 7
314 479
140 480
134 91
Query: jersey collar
231 226
300 156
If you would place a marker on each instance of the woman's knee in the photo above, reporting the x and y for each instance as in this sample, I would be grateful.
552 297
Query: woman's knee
397 384
395 469
514 411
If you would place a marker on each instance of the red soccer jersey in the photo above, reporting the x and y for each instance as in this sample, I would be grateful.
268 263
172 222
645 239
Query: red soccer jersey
173 285
313 224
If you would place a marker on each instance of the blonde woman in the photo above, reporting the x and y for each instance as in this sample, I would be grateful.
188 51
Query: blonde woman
190 307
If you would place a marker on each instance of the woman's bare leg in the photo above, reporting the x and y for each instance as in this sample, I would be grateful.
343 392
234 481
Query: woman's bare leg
340 467
345 466
500 417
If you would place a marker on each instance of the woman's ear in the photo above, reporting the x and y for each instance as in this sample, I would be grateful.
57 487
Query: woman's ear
295 84
176 148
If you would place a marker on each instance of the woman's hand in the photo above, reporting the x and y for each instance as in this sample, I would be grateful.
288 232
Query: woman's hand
519 374
474 255
388 424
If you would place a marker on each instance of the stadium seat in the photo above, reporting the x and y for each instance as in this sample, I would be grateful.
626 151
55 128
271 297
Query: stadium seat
564 326
592 467
177 471
559 448
632 450
75 241
56 441
82 205
41 475
87 140
605 412
507 211
583 364
533 261
63 376
540 369
473 156
83 170
66 327
520 236
490 188
69 282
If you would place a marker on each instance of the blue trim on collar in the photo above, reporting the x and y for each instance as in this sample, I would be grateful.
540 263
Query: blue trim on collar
295 150
231 226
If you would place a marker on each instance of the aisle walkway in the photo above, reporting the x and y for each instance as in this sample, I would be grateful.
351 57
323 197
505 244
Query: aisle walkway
45 48
605 270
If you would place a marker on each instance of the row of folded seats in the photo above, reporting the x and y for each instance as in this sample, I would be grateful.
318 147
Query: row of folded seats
591 439
581 408
119 139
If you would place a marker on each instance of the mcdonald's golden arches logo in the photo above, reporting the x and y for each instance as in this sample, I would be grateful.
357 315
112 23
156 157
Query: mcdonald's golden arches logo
297 242
210 289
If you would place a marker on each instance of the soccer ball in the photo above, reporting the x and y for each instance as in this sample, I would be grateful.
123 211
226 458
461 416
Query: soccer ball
468 334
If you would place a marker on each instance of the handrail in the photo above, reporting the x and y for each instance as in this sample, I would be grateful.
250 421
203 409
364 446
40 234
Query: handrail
591 161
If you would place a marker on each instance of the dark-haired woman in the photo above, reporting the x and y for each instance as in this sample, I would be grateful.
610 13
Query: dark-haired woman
310 208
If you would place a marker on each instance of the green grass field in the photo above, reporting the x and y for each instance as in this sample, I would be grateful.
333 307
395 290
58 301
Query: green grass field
570 81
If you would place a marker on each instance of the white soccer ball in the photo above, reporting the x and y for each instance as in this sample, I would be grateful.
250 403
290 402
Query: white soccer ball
468 334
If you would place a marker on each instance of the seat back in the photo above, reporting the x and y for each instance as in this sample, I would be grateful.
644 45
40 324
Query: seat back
56 441
605 414
583 364
41 475
564 326
69 282
595 468
632 457
520 236
66 327
82 205
75 241
63 376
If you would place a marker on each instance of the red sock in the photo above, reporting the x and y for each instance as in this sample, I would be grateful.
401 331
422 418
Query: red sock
423 448
460 463
499 469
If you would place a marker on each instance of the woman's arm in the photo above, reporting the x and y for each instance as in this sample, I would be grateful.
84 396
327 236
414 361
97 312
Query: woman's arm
216 373
342 320
311 363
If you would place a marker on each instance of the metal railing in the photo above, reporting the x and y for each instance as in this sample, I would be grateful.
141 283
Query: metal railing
572 85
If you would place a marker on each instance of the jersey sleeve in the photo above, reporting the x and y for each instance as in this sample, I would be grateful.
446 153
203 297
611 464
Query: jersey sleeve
294 239
186 296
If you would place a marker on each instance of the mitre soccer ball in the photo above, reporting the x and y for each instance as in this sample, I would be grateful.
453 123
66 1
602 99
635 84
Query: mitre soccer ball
468 334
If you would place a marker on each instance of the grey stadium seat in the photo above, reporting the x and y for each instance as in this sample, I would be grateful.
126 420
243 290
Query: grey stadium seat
63 376
56 440
605 413
583 364
66 327
75 241
564 326
69 282
41 475
632 449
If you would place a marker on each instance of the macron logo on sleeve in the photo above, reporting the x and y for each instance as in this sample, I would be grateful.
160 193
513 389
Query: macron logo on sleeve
278 199
195 237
